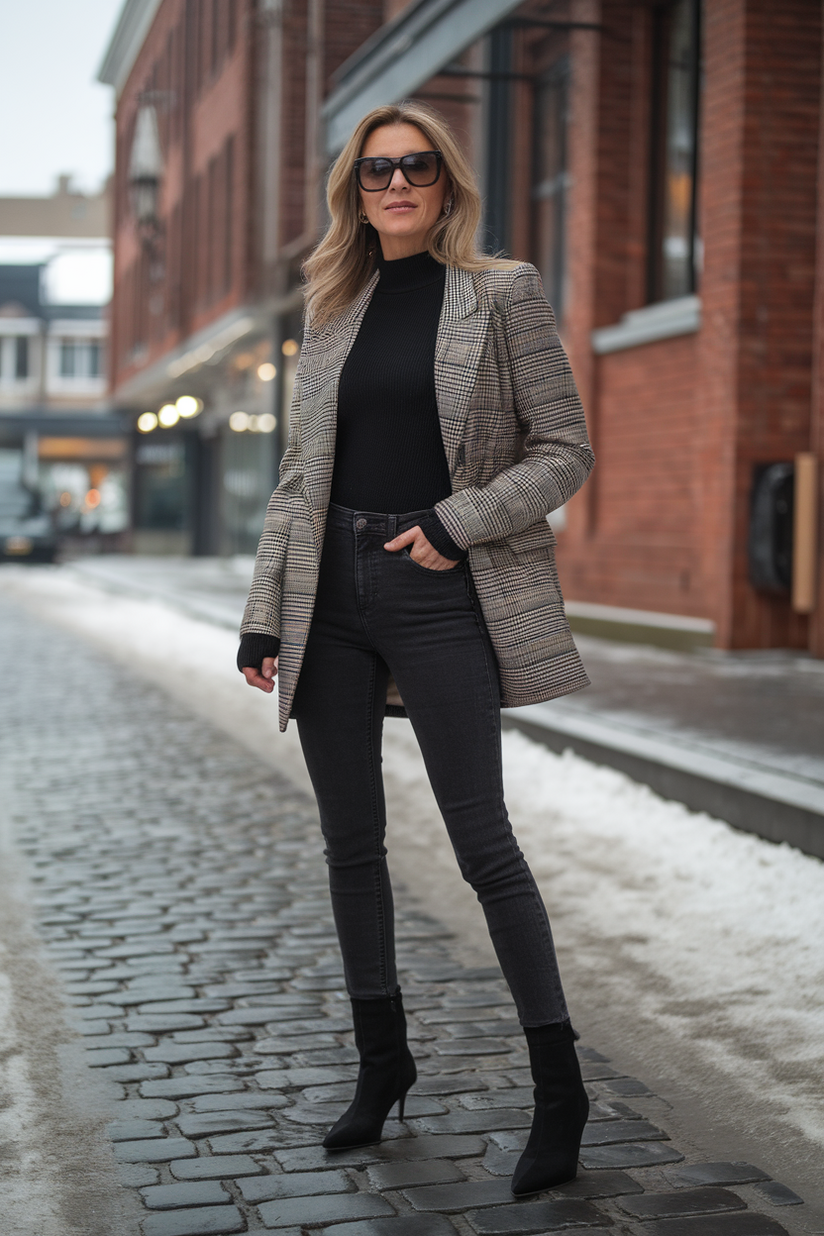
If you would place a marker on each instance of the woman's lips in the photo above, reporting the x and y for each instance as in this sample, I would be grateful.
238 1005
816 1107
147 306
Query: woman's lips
402 206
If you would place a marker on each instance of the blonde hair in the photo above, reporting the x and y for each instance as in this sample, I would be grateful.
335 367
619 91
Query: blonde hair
341 265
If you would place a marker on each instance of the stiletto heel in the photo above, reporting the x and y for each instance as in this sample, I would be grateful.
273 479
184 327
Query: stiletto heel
387 1071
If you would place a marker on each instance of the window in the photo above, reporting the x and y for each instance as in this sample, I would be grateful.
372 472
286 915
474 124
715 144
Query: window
14 358
68 358
676 80
81 358
550 181
21 357
161 485
499 144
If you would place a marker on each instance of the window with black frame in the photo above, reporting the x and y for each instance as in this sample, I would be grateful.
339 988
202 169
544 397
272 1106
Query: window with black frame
674 243
550 181
498 142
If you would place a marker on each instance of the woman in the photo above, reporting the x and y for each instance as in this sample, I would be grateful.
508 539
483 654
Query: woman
434 424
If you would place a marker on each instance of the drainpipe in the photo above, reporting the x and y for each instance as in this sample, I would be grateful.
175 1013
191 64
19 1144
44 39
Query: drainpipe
270 135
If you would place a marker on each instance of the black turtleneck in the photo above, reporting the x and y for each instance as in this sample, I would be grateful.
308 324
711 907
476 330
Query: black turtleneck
389 454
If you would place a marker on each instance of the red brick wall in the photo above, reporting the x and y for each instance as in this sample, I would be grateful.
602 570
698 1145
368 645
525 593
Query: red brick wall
293 149
678 425
582 241
720 206
205 77
643 553
817 418
777 271
194 65
346 27
619 86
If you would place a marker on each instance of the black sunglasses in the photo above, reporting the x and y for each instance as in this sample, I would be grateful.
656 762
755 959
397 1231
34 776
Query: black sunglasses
419 170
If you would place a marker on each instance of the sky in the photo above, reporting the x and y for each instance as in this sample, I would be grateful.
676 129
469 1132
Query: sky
56 116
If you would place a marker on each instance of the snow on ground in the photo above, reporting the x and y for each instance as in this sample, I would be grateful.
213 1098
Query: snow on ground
718 934
729 927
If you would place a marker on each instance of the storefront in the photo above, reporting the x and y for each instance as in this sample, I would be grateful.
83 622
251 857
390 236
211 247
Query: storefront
64 485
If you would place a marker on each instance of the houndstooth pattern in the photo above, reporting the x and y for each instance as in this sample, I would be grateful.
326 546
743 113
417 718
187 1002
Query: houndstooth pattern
516 443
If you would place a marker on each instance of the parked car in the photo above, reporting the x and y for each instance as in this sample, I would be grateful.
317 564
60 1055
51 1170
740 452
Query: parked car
26 530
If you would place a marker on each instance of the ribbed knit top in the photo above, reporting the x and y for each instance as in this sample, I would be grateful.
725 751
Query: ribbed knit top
389 454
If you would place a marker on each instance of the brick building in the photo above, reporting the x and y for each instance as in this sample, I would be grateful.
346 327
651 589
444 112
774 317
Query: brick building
659 162
216 201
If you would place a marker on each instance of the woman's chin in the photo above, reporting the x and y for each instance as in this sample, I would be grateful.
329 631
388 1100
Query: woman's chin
404 231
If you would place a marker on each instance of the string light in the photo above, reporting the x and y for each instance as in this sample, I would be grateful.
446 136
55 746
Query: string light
188 405
168 415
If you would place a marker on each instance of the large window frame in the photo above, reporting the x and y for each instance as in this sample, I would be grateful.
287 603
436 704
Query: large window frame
550 180
80 359
674 247
498 141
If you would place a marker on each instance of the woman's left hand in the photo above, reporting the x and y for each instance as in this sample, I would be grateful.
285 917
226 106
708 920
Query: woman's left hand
421 551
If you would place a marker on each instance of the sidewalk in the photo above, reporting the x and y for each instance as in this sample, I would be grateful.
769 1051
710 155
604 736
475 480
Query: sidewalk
740 736
180 889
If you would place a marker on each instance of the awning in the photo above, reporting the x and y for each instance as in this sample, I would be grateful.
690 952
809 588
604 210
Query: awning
67 424
404 54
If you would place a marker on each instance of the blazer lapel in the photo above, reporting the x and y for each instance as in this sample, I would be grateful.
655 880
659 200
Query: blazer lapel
461 338
330 347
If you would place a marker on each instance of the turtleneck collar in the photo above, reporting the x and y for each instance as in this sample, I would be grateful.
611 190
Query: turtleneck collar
405 274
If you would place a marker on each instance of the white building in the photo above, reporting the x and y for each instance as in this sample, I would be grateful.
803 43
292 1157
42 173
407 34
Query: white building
53 323
60 443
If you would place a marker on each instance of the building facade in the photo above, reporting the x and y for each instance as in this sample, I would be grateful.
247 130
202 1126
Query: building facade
658 160
216 202
64 454
51 355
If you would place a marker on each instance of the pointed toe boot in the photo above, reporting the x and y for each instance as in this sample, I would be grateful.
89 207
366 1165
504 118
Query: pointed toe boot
387 1070
561 1110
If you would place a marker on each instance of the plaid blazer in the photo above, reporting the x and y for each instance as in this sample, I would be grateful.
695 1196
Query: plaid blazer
516 445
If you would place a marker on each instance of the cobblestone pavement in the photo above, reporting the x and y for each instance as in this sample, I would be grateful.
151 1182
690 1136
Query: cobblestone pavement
181 893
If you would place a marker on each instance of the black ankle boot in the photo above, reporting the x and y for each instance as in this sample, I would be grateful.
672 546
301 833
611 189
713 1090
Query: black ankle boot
561 1110
387 1070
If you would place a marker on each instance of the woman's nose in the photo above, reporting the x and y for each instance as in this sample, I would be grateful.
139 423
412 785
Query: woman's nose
398 180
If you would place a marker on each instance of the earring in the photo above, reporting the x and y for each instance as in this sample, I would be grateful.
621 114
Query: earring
447 207
362 217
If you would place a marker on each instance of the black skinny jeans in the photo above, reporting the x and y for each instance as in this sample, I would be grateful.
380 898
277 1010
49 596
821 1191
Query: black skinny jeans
379 612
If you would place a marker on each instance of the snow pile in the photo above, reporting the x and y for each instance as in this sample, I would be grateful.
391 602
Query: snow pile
727 929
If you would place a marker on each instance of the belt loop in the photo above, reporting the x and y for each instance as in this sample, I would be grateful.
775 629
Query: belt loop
393 527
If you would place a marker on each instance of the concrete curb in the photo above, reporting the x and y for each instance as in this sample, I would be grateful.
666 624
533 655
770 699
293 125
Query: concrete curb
755 799
678 632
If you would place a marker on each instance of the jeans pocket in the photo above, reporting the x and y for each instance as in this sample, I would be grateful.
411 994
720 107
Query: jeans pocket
406 555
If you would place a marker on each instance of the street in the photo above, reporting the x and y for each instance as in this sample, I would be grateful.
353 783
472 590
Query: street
171 990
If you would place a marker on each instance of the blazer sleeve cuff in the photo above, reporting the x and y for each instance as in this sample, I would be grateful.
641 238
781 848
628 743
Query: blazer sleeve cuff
254 646
438 537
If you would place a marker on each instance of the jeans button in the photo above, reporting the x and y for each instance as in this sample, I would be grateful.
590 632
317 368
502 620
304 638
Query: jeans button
360 524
